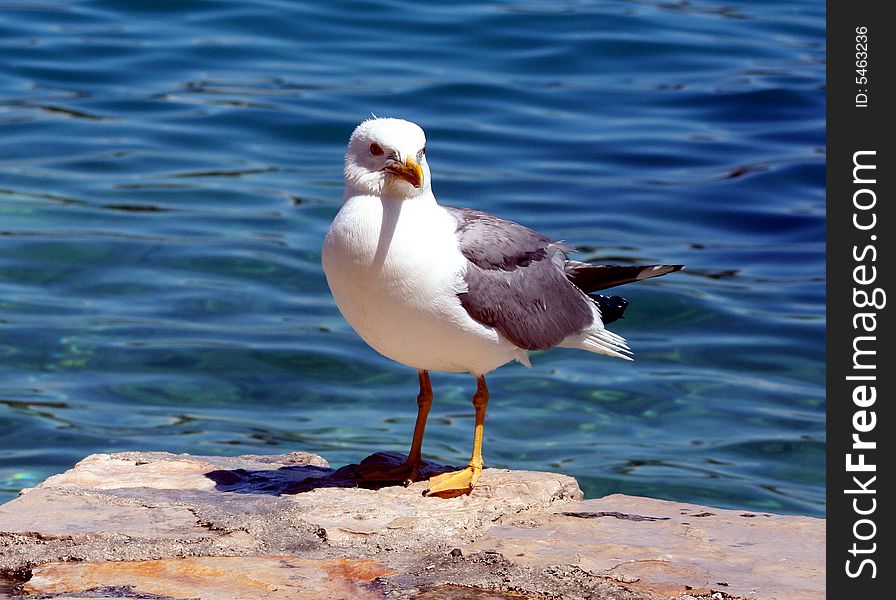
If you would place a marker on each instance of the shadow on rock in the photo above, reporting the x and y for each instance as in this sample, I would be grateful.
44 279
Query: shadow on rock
304 478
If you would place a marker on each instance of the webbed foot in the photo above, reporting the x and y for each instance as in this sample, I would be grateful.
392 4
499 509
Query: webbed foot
455 483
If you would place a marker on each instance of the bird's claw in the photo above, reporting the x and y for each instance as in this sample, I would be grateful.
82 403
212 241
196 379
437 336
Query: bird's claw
454 483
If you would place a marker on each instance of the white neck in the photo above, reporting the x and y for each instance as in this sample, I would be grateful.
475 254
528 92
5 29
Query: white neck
394 192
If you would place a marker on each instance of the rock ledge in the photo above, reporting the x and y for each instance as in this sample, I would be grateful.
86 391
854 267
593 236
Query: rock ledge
150 524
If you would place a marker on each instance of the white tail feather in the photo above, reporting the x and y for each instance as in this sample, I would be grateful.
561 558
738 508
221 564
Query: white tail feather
599 339
595 343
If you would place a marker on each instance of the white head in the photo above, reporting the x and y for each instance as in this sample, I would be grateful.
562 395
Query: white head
387 157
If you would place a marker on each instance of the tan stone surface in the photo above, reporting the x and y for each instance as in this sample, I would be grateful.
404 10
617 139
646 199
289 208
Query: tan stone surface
404 517
222 578
50 512
265 526
163 470
140 506
670 548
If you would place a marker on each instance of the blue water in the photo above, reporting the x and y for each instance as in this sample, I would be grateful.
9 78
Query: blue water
168 171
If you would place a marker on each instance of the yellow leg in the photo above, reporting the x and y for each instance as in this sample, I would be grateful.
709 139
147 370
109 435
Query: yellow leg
408 471
460 482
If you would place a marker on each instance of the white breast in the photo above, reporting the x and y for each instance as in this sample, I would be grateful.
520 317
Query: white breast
395 270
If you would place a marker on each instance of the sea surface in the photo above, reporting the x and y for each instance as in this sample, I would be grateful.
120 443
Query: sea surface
168 171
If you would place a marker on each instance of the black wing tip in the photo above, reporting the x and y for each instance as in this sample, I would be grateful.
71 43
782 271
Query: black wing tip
648 271
611 307
590 277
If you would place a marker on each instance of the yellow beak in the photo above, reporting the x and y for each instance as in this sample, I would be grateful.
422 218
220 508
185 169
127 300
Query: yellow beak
410 171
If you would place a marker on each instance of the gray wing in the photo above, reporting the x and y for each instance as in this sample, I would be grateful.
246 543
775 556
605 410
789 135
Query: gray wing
516 281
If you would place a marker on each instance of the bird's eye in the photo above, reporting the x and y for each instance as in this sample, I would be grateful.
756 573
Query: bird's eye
376 149
423 151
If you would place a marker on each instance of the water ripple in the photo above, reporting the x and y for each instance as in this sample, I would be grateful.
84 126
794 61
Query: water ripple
169 170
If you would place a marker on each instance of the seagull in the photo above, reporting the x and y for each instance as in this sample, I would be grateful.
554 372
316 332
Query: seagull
444 288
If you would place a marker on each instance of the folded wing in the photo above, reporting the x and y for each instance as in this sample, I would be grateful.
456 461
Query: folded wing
522 284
